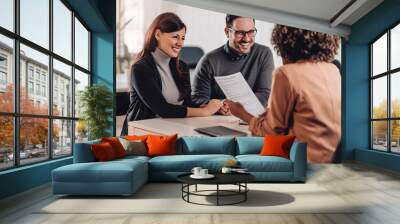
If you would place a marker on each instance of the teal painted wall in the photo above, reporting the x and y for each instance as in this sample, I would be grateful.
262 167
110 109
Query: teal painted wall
91 12
356 99
380 159
355 126
24 178
103 65
103 53
99 16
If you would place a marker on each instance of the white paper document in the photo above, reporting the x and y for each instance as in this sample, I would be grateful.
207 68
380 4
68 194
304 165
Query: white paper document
237 89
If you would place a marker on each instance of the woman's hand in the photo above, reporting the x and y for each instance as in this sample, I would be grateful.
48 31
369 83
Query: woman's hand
224 110
212 107
238 110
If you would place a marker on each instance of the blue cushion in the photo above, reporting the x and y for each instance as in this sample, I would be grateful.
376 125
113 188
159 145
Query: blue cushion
257 163
83 153
119 177
133 157
185 163
197 145
249 145
273 176
112 171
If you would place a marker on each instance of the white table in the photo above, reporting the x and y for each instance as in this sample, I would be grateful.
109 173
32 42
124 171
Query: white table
183 126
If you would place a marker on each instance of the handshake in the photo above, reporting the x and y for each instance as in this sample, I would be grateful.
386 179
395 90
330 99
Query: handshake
217 106
226 107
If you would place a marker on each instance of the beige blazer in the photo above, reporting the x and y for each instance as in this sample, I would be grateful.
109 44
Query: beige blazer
305 101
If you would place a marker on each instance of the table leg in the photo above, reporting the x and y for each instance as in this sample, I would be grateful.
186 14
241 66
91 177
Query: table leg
188 190
182 190
217 194
196 188
245 193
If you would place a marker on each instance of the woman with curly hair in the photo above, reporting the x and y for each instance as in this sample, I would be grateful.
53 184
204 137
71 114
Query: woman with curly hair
305 98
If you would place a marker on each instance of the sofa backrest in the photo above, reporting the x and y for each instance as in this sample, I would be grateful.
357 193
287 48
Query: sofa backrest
192 145
249 145
83 152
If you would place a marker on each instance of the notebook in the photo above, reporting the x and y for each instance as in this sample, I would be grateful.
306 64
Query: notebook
220 131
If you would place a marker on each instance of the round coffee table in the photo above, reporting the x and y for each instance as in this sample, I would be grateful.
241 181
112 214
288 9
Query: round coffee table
238 179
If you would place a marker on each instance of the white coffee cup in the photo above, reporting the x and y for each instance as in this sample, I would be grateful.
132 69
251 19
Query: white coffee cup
203 172
226 170
196 171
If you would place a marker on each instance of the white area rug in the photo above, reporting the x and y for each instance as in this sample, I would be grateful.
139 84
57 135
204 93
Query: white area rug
166 198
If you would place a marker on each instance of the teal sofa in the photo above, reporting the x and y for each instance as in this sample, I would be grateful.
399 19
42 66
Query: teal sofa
125 176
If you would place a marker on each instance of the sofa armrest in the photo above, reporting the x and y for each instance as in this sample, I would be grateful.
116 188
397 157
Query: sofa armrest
298 155
83 152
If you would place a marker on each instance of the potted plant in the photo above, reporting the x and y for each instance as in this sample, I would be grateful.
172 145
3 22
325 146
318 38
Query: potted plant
95 103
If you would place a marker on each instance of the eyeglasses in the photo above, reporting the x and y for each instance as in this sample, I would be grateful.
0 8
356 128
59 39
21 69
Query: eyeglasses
241 33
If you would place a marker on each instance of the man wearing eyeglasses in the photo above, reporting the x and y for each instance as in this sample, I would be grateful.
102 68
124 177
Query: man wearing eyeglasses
239 54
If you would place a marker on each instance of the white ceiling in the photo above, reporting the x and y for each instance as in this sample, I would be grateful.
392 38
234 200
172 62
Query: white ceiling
318 15
320 9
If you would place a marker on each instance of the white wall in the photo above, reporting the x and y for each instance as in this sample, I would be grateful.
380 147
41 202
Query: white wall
205 28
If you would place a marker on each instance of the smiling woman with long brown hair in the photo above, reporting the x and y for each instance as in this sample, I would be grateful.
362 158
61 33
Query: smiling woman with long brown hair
160 82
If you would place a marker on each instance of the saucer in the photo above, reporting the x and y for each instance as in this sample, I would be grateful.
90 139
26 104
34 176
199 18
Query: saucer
208 176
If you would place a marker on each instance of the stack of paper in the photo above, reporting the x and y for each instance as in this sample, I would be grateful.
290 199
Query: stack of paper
236 89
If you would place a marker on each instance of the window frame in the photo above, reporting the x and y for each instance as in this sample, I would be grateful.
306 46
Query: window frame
5 58
3 70
16 114
388 74
3 77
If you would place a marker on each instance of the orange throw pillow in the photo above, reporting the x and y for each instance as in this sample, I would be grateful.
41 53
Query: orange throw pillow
161 145
116 145
277 145
103 151
136 137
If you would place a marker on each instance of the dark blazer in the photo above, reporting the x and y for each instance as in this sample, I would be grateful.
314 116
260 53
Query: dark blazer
146 99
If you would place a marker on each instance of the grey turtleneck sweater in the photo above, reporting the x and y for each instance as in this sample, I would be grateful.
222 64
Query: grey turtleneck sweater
256 68
169 89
